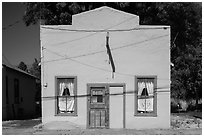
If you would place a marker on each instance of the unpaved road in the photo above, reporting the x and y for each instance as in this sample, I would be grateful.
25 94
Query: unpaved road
31 131
181 125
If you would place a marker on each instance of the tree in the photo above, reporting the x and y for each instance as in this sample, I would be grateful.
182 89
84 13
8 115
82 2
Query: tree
35 69
185 19
22 66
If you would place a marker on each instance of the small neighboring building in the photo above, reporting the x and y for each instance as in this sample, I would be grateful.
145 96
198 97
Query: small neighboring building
105 71
19 94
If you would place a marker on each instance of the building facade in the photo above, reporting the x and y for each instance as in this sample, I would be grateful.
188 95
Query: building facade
106 71
19 92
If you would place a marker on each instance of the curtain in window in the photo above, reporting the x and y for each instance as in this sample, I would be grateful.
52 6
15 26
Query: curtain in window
70 102
141 86
145 103
66 103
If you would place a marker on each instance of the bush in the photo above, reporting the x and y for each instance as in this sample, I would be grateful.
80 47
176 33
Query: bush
178 105
184 105
174 105
192 105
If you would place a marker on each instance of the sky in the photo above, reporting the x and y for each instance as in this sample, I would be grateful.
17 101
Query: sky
19 42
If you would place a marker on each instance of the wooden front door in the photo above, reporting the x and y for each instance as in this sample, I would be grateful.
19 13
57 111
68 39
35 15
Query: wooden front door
98 106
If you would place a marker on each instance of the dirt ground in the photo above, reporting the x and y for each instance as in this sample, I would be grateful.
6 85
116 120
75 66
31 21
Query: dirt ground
181 124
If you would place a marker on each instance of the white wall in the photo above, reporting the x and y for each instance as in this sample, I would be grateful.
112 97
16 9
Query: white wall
139 52
116 107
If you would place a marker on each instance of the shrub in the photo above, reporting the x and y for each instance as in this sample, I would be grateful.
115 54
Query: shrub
183 105
174 105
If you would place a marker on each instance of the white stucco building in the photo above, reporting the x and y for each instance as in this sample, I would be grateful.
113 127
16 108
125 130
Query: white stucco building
89 86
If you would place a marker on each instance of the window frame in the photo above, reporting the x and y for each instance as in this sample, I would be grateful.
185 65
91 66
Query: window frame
75 96
154 113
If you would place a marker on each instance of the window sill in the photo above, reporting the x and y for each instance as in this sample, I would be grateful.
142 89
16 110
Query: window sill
145 115
74 115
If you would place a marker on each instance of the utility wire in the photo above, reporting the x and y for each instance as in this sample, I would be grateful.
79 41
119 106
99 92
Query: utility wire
11 25
98 68
161 90
105 30
93 53
65 42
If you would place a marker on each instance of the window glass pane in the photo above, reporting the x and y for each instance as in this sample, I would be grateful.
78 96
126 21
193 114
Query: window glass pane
62 104
145 102
100 98
66 87
97 96
66 100
94 99
145 105
97 99
150 88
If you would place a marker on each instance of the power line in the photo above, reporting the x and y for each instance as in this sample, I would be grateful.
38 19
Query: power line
61 43
105 30
11 25
133 44
161 90
76 61
93 53
98 68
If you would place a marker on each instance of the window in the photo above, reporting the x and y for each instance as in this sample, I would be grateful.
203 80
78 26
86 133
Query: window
145 98
16 91
97 96
66 95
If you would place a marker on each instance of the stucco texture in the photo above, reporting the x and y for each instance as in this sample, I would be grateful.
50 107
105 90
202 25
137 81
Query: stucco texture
144 51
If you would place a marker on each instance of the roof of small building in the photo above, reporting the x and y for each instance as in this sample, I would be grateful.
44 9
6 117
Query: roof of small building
7 65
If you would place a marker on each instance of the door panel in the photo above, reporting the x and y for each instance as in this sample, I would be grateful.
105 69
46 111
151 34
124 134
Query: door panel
116 107
98 106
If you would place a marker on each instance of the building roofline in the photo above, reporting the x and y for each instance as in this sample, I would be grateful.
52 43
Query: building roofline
105 7
19 70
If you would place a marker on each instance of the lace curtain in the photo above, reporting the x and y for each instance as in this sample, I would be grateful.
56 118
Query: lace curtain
66 103
145 103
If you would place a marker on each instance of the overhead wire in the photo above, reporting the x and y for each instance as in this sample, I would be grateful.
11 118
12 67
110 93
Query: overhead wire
65 42
105 30
157 90
76 60
11 25
65 57
95 32
93 53
98 68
